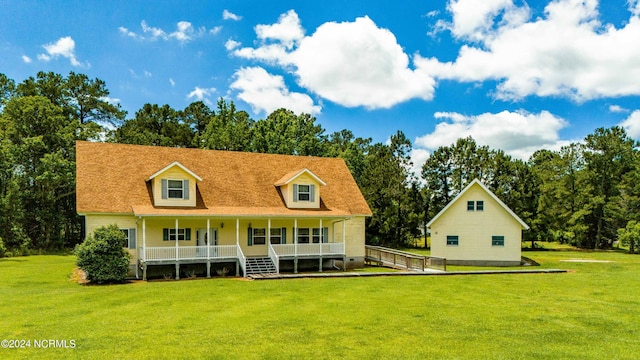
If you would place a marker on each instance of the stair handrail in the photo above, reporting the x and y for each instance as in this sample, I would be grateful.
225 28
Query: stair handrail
242 260
274 258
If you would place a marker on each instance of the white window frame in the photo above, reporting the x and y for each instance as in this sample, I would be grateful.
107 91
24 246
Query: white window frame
170 189
182 234
277 237
262 236
127 235
300 235
306 193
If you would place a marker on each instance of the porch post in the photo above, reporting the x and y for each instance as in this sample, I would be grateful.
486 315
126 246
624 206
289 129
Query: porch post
208 248
295 245
344 244
321 232
144 249
238 246
237 231
177 259
268 232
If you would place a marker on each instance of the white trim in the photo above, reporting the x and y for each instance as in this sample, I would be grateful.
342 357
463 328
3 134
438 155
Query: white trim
300 173
493 196
175 163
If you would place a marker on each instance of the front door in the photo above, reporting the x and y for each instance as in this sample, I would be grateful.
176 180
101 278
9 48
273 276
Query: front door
203 240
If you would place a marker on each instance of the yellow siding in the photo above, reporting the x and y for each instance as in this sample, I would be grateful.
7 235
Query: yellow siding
302 179
174 173
355 237
226 228
92 222
475 230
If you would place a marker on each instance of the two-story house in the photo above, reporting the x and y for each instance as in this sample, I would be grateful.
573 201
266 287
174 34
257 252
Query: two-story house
252 212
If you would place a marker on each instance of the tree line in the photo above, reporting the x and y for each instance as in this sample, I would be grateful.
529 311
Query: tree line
586 194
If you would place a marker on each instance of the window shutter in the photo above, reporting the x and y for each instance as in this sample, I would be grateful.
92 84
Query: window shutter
250 237
185 189
165 234
132 238
312 193
325 235
187 234
295 192
165 188
284 235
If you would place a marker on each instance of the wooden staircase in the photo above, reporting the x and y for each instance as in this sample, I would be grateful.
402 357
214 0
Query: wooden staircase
259 265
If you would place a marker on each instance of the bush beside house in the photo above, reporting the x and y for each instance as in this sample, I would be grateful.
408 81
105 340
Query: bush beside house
102 257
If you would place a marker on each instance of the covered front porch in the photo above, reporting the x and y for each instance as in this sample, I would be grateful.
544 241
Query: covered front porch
237 241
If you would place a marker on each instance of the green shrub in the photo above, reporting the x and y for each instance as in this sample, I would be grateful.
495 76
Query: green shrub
630 236
3 250
102 256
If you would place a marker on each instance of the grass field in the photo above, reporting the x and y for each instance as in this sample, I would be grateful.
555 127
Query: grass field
589 313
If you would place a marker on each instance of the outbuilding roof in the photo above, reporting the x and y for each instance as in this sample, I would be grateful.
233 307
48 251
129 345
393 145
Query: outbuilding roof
493 196
114 178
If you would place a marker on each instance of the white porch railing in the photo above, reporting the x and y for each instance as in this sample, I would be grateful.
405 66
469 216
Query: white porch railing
190 252
309 249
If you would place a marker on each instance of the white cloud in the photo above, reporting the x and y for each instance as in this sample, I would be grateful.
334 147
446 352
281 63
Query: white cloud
26 59
173 83
474 19
147 74
350 63
228 15
632 125
418 158
634 7
617 109
110 100
568 52
184 32
64 47
124 31
201 94
286 31
214 30
231 44
518 133
266 92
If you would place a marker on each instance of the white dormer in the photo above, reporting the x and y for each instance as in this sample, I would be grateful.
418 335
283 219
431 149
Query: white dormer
174 185
301 189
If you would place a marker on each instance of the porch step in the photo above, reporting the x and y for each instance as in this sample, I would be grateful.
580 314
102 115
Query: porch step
260 265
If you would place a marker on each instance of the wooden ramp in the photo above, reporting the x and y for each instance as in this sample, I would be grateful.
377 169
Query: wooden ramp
403 260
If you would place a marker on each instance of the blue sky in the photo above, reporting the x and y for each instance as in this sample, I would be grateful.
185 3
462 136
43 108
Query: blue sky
515 75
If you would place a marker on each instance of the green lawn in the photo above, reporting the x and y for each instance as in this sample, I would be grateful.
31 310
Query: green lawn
588 313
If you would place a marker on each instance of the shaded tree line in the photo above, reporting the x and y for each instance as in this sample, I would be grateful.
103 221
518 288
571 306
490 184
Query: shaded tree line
586 194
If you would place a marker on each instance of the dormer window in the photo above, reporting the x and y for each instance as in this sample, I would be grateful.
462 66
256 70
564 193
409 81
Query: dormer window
304 192
174 185
301 189
175 189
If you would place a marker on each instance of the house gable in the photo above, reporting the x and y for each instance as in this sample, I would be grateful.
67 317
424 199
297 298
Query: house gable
174 185
477 228
476 191
301 189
